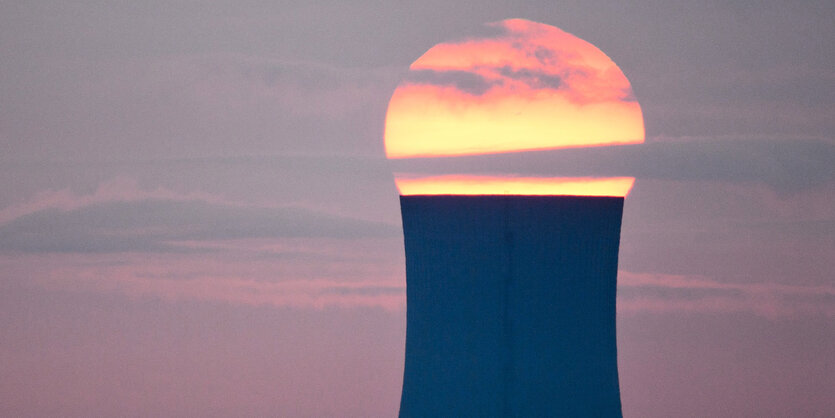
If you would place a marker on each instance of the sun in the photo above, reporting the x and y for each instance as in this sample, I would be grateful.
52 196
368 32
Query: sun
524 87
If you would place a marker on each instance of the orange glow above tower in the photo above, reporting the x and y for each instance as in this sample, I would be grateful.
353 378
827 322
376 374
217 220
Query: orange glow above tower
519 186
526 87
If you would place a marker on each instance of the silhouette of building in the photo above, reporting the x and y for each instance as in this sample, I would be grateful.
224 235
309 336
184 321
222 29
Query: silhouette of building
511 306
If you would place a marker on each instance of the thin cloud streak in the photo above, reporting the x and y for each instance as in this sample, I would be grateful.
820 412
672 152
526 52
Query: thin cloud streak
116 190
785 164
300 273
117 221
300 294
240 279
659 293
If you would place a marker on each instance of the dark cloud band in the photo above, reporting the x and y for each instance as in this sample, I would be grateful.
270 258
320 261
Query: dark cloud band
464 81
155 224
783 164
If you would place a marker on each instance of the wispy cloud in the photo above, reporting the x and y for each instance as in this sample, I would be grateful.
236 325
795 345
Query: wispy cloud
300 294
647 292
112 220
784 163
115 190
196 105
299 273
466 81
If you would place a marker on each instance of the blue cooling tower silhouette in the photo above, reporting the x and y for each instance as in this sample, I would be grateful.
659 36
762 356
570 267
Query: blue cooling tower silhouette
511 306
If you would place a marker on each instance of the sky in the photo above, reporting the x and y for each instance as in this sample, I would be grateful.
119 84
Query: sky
197 217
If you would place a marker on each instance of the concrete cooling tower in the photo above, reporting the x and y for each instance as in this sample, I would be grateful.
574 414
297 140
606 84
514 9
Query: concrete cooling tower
511 306
511 272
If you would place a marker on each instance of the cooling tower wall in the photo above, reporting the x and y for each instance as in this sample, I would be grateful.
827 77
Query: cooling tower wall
511 306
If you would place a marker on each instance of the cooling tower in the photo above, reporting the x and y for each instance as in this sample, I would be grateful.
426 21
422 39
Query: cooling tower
511 306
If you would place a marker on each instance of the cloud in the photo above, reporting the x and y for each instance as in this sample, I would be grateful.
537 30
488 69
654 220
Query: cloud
118 189
476 84
479 31
233 280
195 105
534 79
645 292
301 88
300 294
465 81
154 221
784 164
301 273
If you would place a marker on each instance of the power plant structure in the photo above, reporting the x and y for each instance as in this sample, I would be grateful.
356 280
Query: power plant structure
511 272
511 306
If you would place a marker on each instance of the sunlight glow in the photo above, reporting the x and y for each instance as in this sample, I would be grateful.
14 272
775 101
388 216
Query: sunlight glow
522 87
529 87
489 185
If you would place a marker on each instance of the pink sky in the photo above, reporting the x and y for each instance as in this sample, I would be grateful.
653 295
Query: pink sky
197 217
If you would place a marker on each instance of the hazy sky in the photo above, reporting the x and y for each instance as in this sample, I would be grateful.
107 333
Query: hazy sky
197 218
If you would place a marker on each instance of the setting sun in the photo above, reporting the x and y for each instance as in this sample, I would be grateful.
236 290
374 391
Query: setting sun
529 87
526 87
